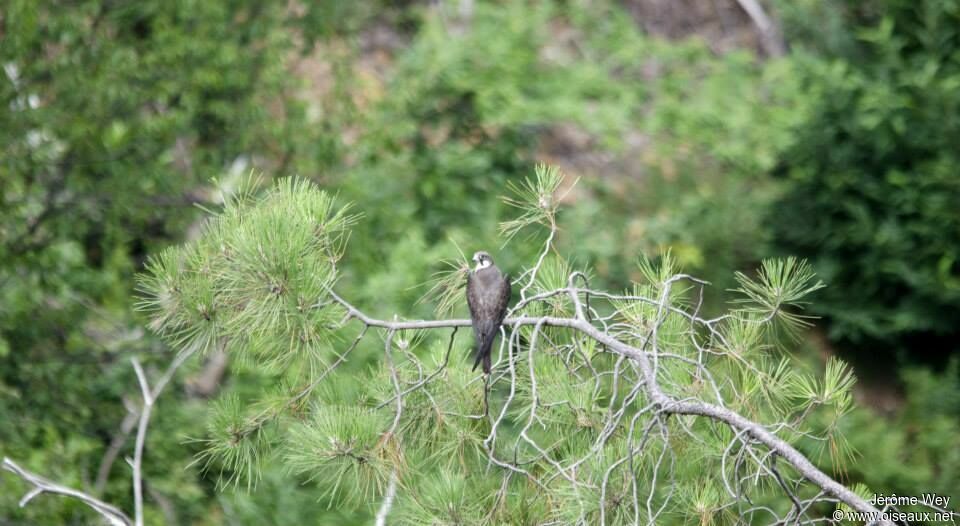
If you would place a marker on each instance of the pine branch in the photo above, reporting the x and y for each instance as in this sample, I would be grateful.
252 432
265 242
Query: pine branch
666 404
590 421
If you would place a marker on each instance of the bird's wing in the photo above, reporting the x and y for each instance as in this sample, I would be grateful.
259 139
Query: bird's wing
475 303
506 291
471 300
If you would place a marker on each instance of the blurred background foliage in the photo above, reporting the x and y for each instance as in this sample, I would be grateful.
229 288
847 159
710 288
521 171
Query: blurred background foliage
120 122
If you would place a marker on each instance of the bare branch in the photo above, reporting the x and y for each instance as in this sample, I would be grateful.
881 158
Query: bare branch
112 513
116 444
42 485
664 404
387 504
770 36
149 397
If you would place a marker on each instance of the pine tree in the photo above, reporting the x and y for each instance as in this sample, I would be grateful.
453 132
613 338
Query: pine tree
602 408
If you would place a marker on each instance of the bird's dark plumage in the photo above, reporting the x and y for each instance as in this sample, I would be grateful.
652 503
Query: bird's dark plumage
488 294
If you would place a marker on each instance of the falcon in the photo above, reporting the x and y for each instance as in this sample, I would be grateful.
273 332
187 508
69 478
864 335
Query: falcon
488 293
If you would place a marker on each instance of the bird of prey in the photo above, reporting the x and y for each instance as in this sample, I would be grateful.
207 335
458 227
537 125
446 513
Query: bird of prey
488 293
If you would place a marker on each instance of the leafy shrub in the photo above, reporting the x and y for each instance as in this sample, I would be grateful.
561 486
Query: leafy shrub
873 193
114 119
915 449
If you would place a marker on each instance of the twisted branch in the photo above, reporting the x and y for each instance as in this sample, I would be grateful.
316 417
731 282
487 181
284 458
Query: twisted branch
41 485
663 404
113 514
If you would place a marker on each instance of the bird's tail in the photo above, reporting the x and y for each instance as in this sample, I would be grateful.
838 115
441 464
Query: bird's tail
483 354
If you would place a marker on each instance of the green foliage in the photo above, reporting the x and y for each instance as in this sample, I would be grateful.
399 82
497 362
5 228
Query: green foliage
707 130
447 286
780 283
461 448
459 117
536 199
260 279
234 444
916 447
343 448
446 498
872 191
114 119
259 283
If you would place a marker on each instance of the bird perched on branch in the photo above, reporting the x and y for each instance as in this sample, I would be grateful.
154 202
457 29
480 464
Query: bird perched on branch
488 293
